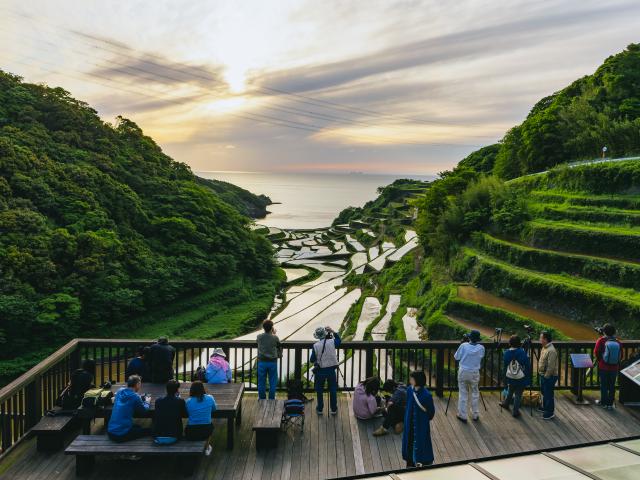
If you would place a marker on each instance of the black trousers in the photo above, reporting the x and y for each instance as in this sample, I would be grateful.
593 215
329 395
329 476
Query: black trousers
198 432
394 414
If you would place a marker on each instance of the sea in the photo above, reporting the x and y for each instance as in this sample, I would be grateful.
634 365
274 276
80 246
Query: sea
309 200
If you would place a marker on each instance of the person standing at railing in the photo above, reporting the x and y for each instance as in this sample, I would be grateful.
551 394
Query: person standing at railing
608 351
324 356
269 350
469 357
517 373
417 449
160 361
126 404
548 371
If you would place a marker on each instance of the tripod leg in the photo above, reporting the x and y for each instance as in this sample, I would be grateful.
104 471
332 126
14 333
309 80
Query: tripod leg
446 410
482 398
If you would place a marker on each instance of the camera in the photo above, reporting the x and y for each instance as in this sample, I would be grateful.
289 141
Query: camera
466 338
600 330
329 331
529 329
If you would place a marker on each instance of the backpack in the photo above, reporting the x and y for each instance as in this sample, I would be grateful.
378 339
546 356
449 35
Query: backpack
293 407
200 374
611 355
514 370
93 399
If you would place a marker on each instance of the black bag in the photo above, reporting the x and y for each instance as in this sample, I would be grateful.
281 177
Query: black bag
316 365
200 374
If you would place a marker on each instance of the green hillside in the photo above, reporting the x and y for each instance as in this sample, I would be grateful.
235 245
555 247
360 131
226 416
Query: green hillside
558 250
574 123
99 227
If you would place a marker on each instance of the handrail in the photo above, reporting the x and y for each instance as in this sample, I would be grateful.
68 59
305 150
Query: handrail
38 369
26 399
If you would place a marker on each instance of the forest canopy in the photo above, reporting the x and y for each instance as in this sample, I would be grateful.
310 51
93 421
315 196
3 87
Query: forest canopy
98 225
597 110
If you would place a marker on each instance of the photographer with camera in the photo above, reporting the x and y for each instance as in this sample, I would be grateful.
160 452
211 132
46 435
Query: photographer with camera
608 351
517 373
325 359
469 357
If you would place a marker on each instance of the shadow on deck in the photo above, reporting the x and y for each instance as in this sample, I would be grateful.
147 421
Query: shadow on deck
342 445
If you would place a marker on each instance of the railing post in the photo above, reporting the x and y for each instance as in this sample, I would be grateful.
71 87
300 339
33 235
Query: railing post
33 402
440 372
297 369
368 362
74 359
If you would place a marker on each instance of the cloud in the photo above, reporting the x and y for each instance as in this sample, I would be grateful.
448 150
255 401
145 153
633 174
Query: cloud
449 47
126 62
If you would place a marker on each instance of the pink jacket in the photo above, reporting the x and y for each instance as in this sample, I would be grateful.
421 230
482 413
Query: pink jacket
364 406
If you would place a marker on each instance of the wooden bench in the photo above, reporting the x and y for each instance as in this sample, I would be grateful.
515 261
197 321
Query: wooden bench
87 447
50 431
267 423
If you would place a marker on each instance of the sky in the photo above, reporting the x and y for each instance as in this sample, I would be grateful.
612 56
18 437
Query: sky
396 87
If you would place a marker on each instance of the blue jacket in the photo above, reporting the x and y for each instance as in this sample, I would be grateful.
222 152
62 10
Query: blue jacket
218 372
521 356
416 436
127 403
326 371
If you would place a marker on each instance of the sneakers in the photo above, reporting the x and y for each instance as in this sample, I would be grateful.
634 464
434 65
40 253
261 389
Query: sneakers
380 432
208 450
461 418
503 405
319 412
475 418
540 409
548 416
399 428
516 414
333 412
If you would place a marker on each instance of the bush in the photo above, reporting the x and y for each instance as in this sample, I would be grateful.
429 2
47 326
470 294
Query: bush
579 239
497 317
626 275
581 304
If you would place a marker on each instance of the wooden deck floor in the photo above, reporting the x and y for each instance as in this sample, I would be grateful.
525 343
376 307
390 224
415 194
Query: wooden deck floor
339 446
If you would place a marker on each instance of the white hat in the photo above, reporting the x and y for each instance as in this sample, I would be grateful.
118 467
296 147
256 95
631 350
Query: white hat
219 352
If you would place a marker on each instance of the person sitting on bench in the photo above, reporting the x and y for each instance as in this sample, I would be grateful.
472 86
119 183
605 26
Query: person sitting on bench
168 415
218 369
127 403
138 365
81 380
200 406
394 408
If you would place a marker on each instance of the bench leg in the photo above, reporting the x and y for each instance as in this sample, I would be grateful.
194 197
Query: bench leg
187 465
230 430
239 415
50 442
84 464
266 439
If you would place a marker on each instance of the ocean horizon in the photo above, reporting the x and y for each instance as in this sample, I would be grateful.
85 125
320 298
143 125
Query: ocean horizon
309 200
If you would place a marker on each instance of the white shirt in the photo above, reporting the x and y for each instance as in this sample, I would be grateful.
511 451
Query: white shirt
470 356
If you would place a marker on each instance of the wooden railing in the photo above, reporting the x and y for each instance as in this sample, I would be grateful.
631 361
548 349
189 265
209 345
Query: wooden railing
25 400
